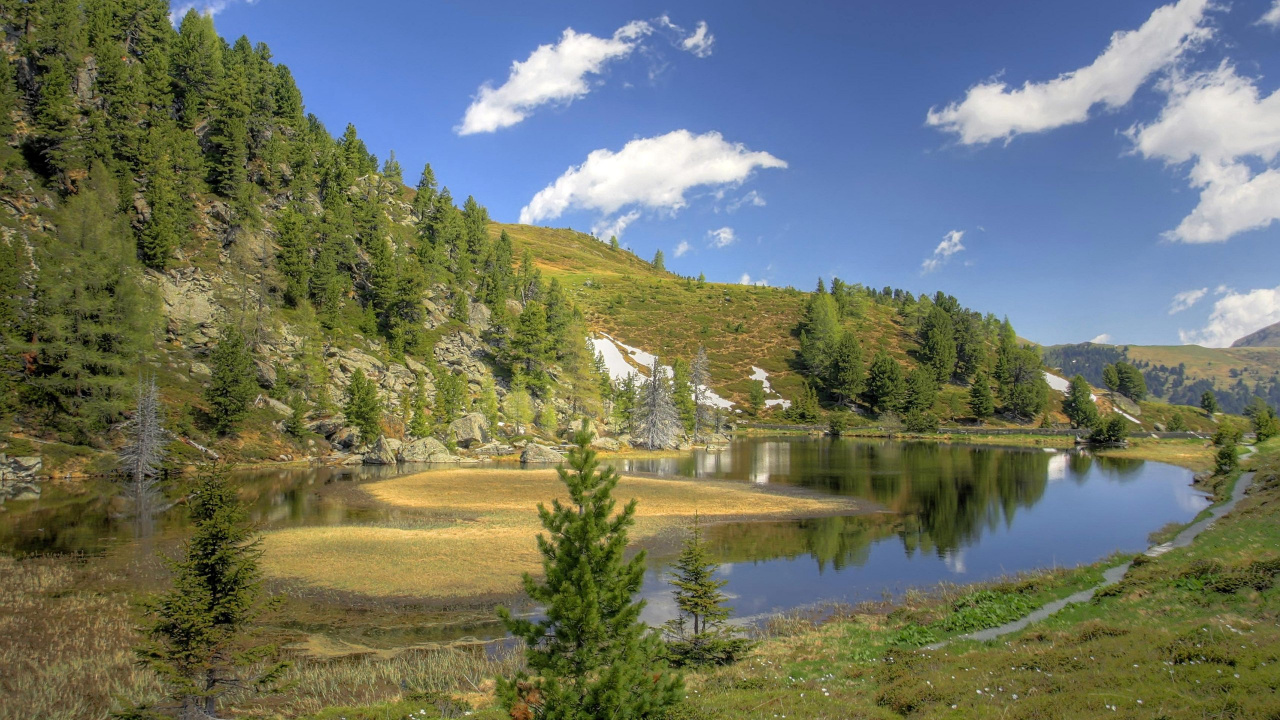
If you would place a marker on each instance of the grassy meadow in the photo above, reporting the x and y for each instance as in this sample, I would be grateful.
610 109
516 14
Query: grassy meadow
470 533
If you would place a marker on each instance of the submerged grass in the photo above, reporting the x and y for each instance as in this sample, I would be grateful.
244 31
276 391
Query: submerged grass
483 524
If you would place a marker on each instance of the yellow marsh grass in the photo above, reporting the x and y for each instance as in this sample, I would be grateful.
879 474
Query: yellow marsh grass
486 551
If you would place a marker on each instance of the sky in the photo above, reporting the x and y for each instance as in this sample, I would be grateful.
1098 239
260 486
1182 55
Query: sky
1094 170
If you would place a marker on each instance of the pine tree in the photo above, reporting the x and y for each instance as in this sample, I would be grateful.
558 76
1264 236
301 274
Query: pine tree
1265 423
657 422
697 635
625 403
682 394
938 344
591 657
392 172
1079 406
198 638
1209 403
548 422
232 385
294 258
1024 390
846 377
530 345
921 389
884 384
451 398
363 408
755 397
806 409
981 403
518 406
659 262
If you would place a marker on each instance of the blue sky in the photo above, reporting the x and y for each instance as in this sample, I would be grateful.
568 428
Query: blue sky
1014 154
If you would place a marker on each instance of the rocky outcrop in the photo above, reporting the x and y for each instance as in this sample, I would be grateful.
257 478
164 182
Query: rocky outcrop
190 307
470 430
606 443
422 450
463 351
535 453
383 452
345 437
494 449
274 404
18 477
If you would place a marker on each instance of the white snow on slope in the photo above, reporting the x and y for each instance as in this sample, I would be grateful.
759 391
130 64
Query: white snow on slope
620 365
763 377
1062 385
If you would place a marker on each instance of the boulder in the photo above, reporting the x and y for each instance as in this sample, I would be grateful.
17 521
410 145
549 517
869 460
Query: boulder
494 449
274 404
199 369
345 437
470 430
383 452
20 467
479 316
422 450
327 426
606 443
265 373
535 453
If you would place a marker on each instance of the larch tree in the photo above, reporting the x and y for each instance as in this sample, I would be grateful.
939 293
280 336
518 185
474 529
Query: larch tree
657 420
590 656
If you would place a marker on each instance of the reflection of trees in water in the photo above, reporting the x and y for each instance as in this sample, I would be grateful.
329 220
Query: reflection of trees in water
944 497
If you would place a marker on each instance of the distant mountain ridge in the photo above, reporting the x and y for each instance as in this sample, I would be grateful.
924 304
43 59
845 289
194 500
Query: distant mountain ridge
1268 336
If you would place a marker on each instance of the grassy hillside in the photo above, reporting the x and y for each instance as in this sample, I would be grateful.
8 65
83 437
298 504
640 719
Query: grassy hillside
669 315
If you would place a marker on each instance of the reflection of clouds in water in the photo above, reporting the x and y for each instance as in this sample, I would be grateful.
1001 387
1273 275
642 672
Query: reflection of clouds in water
1189 499
1057 469
770 458
954 560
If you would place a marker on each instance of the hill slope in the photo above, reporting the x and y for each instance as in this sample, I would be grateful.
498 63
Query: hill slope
1268 336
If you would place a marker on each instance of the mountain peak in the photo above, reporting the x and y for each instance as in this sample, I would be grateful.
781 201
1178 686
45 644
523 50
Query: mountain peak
1268 336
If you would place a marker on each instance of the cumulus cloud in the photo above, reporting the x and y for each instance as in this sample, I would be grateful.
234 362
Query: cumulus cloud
563 72
752 198
552 73
722 237
949 246
994 111
1103 339
1219 122
682 248
1272 17
204 7
613 228
1236 315
746 280
652 173
1185 299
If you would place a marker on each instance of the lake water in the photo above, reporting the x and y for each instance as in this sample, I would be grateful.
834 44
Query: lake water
957 513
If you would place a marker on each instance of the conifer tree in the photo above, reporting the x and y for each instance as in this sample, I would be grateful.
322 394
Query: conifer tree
548 422
659 262
232 385
806 409
697 635
682 394
489 404
363 408
1209 403
846 376
1079 406
529 345
450 396
294 259
142 455
755 397
591 657
700 379
392 172
518 406
198 638
419 423
657 422
625 402
938 344
981 403
921 390
884 384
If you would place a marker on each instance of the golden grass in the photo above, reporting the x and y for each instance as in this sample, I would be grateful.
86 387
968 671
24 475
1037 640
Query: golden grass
1195 455
490 542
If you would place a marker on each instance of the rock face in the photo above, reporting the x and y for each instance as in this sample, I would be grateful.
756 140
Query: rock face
345 437
605 443
462 351
383 452
18 477
470 430
423 450
534 453
493 449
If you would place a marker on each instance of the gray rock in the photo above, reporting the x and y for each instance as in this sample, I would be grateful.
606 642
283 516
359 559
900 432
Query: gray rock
266 373
479 316
199 369
470 430
606 443
274 404
345 437
494 449
1159 427
327 426
535 453
462 351
383 452
422 450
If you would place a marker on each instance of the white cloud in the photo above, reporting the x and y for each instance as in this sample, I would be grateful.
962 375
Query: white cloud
1219 120
1185 299
1236 315
949 246
682 248
1272 17
746 280
722 237
698 42
1103 339
552 73
653 173
752 198
204 7
613 228
992 111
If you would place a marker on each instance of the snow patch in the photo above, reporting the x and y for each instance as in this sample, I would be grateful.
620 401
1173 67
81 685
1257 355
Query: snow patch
621 365
1062 385
763 377
1131 418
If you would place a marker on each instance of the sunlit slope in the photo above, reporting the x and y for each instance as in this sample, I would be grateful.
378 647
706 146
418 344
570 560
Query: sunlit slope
660 312
1222 365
